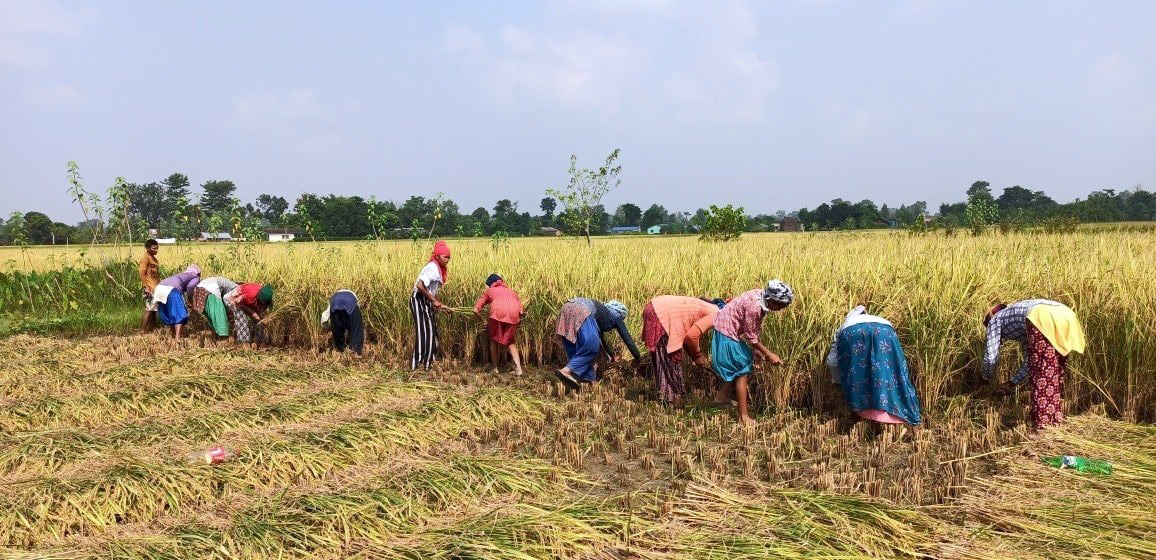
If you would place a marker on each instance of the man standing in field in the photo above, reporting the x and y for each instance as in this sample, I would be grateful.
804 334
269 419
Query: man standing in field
150 276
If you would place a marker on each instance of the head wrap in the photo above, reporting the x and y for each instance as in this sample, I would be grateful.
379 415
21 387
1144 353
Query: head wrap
778 292
492 279
265 295
441 249
193 268
720 302
617 308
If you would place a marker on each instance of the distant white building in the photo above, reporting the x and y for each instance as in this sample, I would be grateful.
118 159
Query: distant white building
166 240
282 235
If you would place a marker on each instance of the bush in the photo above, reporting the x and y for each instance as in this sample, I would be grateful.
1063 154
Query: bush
722 224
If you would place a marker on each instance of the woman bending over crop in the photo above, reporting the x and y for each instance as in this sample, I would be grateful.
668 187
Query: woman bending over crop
1048 331
170 298
343 318
580 325
424 305
505 315
670 323
867 361
736 333
247 304
208 300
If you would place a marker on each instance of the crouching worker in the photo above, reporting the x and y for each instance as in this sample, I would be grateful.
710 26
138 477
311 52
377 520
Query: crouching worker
580 326
169 296
505 316
247 304
736 339
868 363
343 318
1048 331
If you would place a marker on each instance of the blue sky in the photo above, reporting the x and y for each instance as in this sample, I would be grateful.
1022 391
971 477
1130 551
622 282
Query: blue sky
768 105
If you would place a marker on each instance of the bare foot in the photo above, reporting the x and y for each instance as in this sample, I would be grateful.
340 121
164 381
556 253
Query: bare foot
495 371
746 421
518 372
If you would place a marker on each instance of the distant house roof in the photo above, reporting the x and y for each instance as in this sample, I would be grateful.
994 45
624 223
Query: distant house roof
547 229
221 235
625 229
283 231
791 219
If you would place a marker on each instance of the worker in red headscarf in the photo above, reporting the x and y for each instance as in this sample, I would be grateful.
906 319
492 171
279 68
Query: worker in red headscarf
424 304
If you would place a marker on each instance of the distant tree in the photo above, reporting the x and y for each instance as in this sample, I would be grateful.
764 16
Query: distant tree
62 233
981 189
147 203
218 196
37 228
627 215
271 208
176 189
505 217
481 221
722 223
655 215
548 205
584 193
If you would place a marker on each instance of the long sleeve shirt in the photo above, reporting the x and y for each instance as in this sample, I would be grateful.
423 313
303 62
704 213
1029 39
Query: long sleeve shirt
679 315
505 307
608 321
1009 323
218 285
185 281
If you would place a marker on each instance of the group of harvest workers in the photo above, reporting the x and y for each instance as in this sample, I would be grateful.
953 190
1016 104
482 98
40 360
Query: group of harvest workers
865 359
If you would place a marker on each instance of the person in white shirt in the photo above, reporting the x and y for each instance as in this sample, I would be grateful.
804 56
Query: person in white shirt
867 362
424 305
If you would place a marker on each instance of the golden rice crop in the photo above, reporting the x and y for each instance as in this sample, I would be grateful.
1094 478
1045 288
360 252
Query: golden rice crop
934 289
345 459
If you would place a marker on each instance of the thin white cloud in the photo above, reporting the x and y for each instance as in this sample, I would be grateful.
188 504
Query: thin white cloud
28 29
53 96
701 57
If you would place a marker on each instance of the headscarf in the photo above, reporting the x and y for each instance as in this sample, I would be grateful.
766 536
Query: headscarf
265 295
494 278
778 292
441 249
617 308
193 268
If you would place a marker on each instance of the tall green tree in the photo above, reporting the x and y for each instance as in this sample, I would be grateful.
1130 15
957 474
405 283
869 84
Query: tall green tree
548 205
271 208
655 215
627 215
217 197
147 203
176 189
38 228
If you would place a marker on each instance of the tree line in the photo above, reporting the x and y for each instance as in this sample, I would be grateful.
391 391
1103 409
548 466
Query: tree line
171 207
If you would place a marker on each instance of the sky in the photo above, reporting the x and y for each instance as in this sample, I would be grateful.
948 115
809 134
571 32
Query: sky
772 105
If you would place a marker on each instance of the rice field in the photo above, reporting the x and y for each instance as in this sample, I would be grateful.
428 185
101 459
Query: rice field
342 458
935 289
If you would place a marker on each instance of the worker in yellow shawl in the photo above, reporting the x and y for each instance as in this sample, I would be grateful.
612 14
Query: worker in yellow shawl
1048 331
